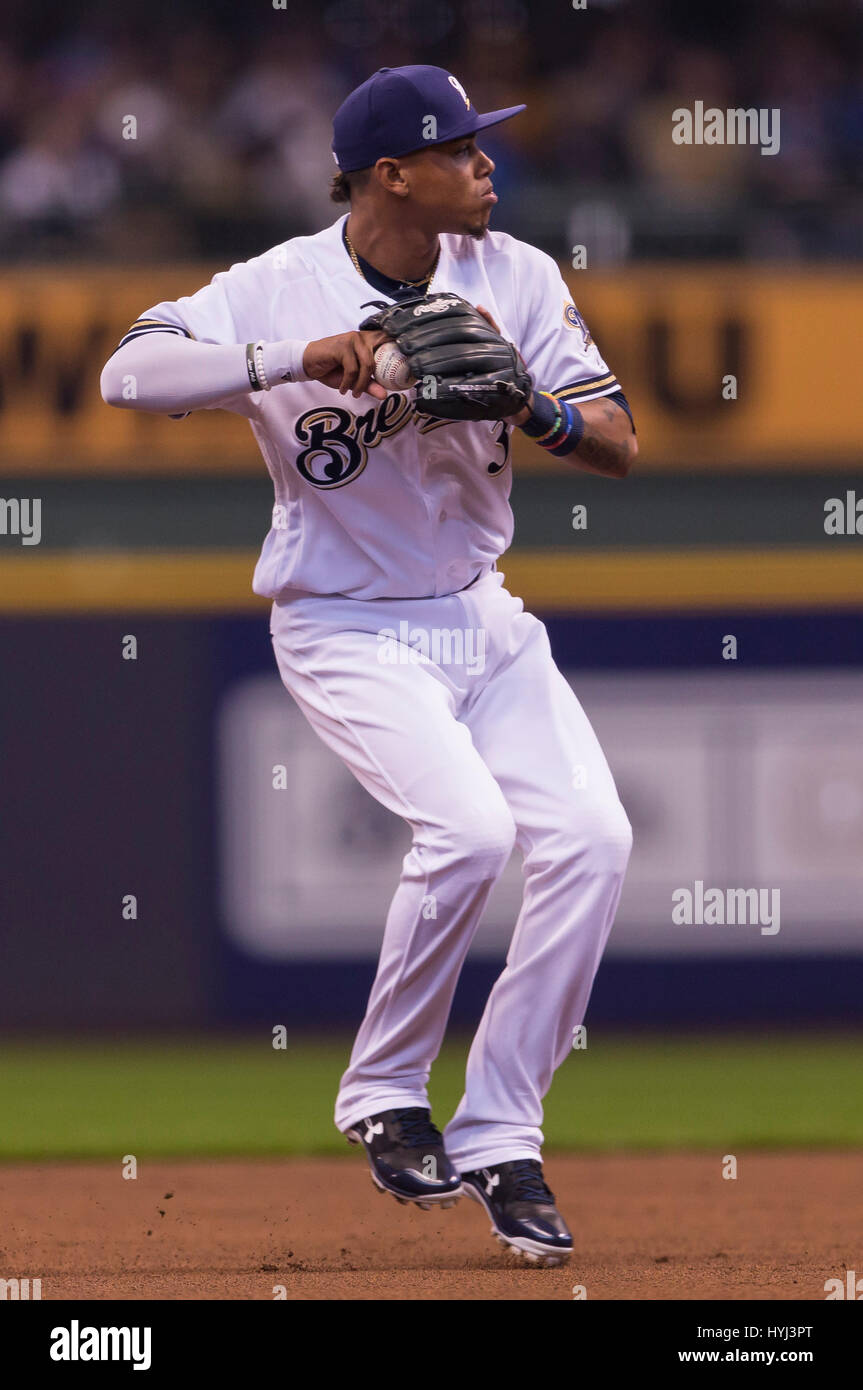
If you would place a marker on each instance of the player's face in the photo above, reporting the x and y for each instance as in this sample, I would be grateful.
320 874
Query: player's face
451 188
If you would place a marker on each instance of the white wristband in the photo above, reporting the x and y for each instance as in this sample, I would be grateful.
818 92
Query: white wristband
284 361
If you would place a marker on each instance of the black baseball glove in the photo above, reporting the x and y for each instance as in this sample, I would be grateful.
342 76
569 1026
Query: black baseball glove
464 369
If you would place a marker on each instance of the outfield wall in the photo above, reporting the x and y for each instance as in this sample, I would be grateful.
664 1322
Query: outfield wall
724 366
154 778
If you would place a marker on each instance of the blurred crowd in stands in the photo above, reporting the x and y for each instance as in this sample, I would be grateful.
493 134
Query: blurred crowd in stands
232 102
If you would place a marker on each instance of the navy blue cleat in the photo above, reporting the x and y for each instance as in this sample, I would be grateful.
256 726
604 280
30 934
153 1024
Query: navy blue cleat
522 1210
407 1157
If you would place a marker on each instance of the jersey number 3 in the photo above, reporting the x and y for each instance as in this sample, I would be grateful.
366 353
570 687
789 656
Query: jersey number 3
498 465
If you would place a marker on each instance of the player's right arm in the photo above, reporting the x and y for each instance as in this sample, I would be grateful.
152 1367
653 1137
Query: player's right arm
217 347
164 371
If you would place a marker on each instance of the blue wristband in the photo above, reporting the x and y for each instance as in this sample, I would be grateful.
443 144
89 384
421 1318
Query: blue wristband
574 431
555 424
543 415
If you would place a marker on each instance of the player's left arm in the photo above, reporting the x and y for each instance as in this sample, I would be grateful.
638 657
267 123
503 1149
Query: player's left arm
601 435
597 435
577 410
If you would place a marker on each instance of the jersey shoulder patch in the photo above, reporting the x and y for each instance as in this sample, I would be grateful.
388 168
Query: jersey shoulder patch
573 319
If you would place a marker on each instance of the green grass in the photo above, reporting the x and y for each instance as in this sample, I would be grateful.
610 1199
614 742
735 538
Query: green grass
209 1097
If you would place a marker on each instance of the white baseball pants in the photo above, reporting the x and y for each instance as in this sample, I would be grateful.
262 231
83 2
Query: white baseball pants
452 713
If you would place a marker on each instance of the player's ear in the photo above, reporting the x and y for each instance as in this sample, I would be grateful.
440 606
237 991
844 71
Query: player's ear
391 177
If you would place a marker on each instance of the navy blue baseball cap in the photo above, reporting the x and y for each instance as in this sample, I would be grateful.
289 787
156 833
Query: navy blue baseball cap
399 110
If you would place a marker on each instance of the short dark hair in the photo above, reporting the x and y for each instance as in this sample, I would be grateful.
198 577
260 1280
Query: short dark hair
342 185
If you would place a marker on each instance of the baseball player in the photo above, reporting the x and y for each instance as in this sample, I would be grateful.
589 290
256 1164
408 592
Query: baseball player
391 623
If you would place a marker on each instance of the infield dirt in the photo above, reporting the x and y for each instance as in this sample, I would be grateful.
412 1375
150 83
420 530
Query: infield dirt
646 1226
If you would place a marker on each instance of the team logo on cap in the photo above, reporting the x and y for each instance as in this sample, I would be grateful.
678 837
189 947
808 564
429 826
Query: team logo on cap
454 82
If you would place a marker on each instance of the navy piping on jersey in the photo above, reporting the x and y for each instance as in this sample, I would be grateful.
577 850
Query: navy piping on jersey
143 326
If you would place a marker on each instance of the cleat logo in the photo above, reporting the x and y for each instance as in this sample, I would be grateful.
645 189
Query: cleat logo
491 1181
372 1129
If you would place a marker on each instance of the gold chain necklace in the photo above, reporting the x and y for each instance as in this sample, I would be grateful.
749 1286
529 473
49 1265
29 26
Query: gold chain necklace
415 284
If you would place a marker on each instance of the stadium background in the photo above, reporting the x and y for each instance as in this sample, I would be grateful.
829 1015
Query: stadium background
259 908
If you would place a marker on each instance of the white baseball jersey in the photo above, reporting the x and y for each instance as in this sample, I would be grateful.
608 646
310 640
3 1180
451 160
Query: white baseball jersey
375 499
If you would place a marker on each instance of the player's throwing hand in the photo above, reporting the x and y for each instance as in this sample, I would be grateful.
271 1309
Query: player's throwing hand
345 362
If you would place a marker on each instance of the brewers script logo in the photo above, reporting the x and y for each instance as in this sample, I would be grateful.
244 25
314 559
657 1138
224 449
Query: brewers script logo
454 82
337 441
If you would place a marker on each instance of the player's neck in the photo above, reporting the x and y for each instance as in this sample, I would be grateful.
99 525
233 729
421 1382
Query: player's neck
398 252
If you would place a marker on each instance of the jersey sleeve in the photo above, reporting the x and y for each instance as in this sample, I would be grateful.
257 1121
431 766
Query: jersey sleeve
233 308
555 342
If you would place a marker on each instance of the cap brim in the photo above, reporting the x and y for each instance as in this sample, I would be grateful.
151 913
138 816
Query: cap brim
495 117
470 128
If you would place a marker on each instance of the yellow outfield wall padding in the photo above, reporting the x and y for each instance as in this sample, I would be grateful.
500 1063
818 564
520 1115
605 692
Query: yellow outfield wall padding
725 366
40 582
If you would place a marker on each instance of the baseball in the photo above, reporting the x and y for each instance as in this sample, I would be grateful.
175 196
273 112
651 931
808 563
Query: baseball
391 367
